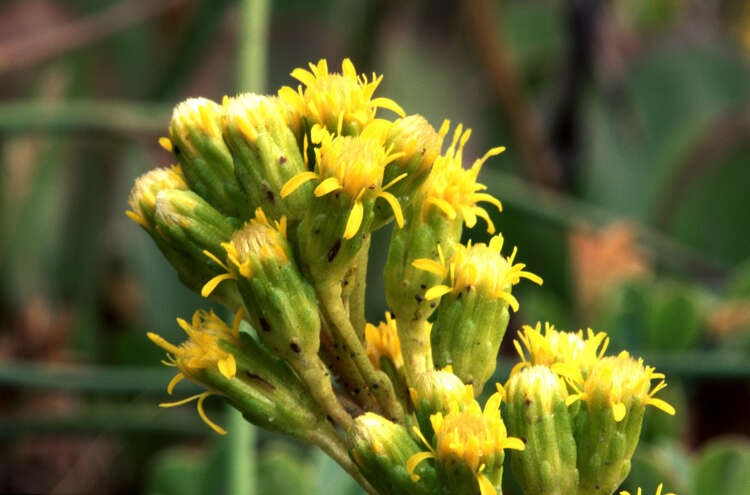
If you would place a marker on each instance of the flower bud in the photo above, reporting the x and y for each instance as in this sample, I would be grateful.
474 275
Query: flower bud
536 412
234 365
419 145
282 303
468 448
197 142
341 103
184 227
143 195
266 154
437 392
473 312
616 393
381 448
349 176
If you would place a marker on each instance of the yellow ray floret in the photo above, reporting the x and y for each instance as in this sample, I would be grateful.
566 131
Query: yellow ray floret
454 190
353 166
470 436
258 239
201 351
142 198
638 492
252 114
382 341
332 97
621 379
479 266
199 114
564 352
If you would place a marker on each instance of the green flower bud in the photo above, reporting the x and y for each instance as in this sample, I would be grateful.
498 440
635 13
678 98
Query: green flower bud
235 366
381 448
438 392
187 227
266 154
616 393
143 195
536 412
197 142
419 145
473 313
282 303
349 172
468 449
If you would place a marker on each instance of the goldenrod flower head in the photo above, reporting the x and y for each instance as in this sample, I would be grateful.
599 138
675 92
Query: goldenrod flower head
258 241
481 267
415 137
331 98
441 389
455 190
564 352
538 382
658 491
142 198
253 114
199 352
195 114
620 380
382 341
353 166
473 437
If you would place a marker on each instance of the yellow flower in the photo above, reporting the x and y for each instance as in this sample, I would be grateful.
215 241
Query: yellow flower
470 436
658 491
479 266
257 237
331 99
195 114
455 190
382 341
442 390
143 195
354 166
199 352
621 379
564 352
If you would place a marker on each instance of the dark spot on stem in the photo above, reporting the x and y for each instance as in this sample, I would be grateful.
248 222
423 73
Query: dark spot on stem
334 250
294 347
419 298
282 160
264 325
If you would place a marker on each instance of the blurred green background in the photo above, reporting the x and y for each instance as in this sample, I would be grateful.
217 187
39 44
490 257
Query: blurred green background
624 186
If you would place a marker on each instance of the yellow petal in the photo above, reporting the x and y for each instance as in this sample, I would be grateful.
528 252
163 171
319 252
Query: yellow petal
303 76
660 404
388 104
217 260
395 206
218 429
181 402
174 381
296 181
482 213
514 443
137 218
531 276
445 206
509 298
165 143
414 460
573 398
327 186
347 68
214 282
618 411
431 266
437 292
159 340
227 366
354 221
291 97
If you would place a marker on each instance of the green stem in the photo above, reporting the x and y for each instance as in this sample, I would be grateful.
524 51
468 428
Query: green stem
357 296
329 294
253 50
415 347
242 476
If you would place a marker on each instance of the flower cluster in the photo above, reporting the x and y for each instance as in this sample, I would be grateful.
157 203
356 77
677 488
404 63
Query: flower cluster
269 211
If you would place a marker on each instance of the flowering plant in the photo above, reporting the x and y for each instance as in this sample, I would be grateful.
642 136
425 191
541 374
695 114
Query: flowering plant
270 212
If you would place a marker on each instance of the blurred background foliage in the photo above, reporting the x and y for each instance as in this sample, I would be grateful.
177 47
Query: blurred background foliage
624 186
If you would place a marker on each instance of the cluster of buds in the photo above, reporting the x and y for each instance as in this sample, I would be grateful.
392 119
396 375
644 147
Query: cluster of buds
269 211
